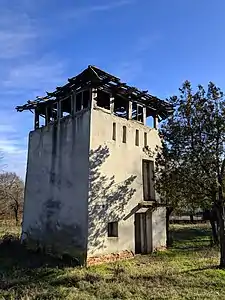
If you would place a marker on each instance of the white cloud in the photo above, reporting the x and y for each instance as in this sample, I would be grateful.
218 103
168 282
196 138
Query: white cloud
17 33
27 80
81 12
37 75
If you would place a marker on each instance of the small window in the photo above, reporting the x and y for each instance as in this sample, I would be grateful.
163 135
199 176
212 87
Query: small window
114 132
137 138
124 134
113 229
145 139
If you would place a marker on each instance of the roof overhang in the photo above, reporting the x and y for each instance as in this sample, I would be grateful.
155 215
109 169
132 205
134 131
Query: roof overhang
95 77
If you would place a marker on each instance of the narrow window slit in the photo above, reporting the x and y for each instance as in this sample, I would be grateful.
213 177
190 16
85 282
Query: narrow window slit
124 134
145 139
137 137
114 131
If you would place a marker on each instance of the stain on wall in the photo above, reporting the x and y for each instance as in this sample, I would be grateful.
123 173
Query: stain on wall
56 195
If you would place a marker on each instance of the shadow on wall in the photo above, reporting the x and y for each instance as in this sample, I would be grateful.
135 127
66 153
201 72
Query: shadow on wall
107 198
106 203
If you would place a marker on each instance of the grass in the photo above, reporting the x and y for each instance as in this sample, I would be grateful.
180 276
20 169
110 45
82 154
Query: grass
186 271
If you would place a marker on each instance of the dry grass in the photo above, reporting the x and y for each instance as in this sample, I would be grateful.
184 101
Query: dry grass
186 271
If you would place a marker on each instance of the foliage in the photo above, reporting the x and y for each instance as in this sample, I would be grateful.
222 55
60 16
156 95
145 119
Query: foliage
192 160
11 194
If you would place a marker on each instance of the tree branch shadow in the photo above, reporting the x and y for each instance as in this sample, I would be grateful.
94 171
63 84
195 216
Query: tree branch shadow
107 198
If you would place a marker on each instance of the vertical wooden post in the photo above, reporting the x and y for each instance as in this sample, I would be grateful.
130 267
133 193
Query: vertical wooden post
112 104
82 100
56 116
144 115
59 110
93 97
156 121
129 116
47 115
36 119
72 104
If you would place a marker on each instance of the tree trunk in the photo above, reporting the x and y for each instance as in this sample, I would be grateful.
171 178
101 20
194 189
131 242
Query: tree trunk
215 237
222 236
169 210
212 216
220 209
192 218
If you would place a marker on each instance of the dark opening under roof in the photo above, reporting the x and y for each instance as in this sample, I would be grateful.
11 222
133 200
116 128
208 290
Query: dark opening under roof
95 77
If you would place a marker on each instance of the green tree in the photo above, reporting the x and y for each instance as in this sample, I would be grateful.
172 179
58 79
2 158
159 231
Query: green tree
194 152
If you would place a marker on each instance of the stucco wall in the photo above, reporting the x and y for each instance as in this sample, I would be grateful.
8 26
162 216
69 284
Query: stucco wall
115 180
56 195
159 228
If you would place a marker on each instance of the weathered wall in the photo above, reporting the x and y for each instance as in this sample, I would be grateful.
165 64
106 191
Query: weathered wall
115 180
159 228
56 196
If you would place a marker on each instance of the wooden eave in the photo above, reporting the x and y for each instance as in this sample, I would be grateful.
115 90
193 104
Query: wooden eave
96 78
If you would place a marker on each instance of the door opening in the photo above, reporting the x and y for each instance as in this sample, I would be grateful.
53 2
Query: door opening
143 233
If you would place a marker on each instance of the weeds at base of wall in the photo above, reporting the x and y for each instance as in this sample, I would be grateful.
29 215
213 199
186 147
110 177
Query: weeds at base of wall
64 258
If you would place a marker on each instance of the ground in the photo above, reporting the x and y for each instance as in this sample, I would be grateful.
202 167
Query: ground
186 271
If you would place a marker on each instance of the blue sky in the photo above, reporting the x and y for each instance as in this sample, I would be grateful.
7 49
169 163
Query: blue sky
154 45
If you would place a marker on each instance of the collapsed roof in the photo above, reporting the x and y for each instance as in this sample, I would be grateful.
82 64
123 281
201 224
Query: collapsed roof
96 78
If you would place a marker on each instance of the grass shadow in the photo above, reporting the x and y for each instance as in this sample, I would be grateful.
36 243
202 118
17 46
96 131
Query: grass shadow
191 237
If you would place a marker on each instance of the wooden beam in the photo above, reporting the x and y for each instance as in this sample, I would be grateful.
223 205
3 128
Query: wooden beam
112 103
144 115
59 115
93 97
156 121
72 104
36 119
129 117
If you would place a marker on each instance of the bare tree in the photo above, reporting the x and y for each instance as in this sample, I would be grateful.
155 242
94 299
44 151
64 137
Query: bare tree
11 195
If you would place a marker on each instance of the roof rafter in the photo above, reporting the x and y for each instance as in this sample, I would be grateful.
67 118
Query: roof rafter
95 77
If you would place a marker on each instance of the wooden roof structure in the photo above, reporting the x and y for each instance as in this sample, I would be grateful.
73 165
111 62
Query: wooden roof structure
97 78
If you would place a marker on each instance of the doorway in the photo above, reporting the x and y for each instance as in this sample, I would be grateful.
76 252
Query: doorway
143 232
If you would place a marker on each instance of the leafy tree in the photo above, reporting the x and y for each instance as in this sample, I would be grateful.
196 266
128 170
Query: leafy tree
194 152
